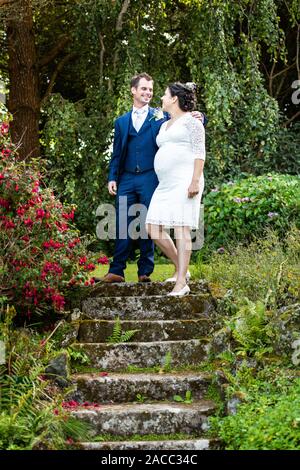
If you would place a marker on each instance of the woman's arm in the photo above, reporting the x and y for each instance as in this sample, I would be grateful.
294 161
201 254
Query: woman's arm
194 187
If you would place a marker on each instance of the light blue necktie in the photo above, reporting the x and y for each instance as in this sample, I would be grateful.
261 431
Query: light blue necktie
138 121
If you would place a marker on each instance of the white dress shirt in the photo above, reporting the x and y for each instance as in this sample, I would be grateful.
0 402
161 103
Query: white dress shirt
139 116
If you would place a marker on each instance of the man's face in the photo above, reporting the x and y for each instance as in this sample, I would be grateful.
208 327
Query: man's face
143 93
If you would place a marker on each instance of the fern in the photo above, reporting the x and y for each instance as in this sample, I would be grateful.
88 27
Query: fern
119 336
167 363
27 418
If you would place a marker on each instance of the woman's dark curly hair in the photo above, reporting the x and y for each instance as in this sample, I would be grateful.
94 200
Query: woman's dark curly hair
186 94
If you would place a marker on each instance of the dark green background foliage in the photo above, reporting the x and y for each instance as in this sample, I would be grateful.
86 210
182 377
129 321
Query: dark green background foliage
242 210
241 54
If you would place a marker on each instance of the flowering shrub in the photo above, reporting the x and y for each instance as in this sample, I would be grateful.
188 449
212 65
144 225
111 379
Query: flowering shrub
237 211
42 252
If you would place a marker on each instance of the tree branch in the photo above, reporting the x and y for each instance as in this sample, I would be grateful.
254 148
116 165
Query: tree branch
59 67
6 2
119 27
297 52
101 57
64 40
123 11
271 79
291 119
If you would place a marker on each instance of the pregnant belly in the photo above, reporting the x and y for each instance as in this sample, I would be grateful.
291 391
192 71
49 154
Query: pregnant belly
173 160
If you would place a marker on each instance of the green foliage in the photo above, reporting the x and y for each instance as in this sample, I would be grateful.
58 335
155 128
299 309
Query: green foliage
266 269
31 415
78 357
238 211
268 417
140 398
167 366
225 49
250 327
187 399
120 336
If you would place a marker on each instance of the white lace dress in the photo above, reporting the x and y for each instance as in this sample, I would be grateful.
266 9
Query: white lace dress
178 146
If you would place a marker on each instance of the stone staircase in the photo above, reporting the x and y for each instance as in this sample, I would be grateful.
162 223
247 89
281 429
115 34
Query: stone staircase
169 327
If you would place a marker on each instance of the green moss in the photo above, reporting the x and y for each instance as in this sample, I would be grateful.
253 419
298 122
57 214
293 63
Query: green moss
144 437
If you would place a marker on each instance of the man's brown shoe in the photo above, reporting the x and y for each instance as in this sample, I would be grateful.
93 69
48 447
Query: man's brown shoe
110 278
144 278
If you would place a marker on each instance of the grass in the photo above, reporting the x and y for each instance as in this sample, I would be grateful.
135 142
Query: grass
160 273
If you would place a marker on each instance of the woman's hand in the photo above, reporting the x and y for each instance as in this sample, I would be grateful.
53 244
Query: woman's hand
193 189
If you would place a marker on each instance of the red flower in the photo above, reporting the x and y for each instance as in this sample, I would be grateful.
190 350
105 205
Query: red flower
58 301
103 374
4 128
4 203
89 267
40 213
61 226
103 260
9 224
70 441
6 152
82 260
21 210
68 216
28 223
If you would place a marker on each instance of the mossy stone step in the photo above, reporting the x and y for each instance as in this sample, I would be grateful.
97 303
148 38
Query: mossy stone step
150 308
189 444
123 388
98 331
141 289
113 357
128 419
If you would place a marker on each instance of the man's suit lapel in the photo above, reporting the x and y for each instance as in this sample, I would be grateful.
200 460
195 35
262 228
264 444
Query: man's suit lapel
125 128
155 125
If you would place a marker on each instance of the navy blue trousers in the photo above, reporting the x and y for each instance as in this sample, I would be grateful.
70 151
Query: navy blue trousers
138 188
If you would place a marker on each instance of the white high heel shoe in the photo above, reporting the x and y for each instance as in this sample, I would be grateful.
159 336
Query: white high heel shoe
184 291
174 279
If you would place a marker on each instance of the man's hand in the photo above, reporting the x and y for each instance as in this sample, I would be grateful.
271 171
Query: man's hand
112 188
198 115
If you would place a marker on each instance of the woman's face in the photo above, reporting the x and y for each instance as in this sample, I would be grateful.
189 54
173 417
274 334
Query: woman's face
167 100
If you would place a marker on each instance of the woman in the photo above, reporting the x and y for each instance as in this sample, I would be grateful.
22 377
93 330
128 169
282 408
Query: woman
179 167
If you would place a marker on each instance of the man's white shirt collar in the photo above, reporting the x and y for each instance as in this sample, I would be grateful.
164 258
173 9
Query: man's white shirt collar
145 109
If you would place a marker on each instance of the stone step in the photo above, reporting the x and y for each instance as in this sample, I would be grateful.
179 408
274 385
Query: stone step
141 289
147 308
97 331
159 418
189 444
118 356
125 387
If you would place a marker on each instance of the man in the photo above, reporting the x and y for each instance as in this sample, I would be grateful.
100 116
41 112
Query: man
132 176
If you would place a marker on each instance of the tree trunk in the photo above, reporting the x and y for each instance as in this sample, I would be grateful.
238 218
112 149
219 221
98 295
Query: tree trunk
24 100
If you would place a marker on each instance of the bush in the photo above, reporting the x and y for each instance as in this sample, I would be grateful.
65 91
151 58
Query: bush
238 211
268 420
42 253
265 268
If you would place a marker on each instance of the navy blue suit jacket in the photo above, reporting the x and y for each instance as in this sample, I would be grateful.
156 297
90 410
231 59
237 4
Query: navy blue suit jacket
117 161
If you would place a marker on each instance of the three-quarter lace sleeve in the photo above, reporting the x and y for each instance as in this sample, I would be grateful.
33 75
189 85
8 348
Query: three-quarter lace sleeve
197 137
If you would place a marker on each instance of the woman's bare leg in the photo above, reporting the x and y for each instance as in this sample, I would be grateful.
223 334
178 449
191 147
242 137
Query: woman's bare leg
163 240
184 248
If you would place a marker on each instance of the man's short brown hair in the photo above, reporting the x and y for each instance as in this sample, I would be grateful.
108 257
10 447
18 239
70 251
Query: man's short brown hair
134 83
